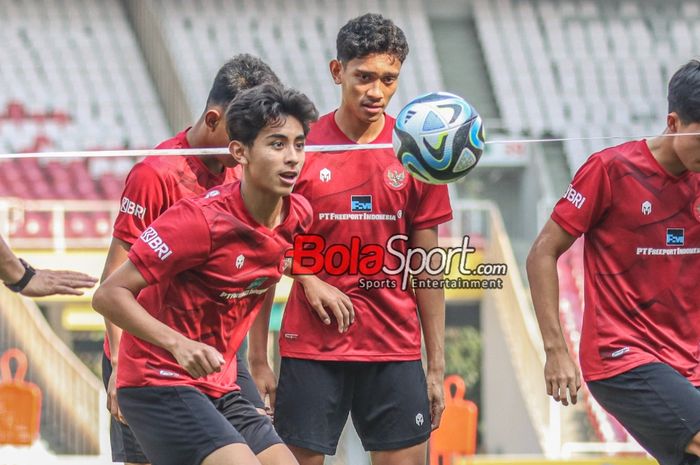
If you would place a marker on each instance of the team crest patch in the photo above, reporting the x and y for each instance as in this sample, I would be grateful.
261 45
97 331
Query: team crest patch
696 209
396 177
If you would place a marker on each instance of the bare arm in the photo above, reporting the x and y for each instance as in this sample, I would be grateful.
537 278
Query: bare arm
11 270
260 369
117 255
561 373
116 300
44 282
431 311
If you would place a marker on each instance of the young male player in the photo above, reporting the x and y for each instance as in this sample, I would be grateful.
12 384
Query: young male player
153 186
371 368
638 207
192 286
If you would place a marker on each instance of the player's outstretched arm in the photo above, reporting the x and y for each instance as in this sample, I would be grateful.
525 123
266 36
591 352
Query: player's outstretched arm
431 311
560 372
116 300
22 278
260 369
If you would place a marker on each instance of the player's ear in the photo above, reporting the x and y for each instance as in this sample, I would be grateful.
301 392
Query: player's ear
672 122
238 152
336 68
212 118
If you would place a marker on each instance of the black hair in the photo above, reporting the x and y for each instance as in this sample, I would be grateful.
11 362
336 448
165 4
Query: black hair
266 105
684 93
368 34
238 74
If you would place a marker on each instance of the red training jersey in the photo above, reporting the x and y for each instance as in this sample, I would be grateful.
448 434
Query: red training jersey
208 265
641 251
156 183
365 194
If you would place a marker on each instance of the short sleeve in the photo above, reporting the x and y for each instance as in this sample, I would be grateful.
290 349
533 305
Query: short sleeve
142 202
177 240
586 199
433 207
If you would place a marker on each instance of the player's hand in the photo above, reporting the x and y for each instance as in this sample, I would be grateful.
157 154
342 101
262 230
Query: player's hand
266 382
436 397
112 404
49 282
197 358
322 297
561 375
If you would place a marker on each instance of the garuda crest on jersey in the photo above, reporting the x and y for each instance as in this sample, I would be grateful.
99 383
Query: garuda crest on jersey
396 177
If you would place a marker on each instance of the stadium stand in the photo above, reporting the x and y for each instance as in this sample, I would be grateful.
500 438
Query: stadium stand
585 68
65 88
296 38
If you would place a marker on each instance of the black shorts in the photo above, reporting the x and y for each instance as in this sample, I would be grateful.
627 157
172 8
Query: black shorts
178 425
125 447
658 407
388 402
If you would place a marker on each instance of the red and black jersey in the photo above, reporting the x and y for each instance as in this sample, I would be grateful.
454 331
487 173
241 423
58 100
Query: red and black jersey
641 229
156 183
208 265
365 196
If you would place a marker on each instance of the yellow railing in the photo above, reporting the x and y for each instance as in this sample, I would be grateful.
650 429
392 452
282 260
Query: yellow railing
71 404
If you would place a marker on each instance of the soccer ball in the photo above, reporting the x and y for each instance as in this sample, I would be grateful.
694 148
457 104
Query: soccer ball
438 137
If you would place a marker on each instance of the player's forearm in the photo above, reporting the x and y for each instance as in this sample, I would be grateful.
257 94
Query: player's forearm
431 311
11 270
431 306
114 336
258 334
119 305
118 253
544 287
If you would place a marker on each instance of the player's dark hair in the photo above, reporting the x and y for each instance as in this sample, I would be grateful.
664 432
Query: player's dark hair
684 93
369 34
238 74
267 105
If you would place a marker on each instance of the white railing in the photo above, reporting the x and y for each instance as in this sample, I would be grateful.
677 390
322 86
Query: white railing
13 213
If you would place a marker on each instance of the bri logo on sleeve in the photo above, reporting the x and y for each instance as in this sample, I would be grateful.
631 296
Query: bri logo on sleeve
150 236
573 196
132 208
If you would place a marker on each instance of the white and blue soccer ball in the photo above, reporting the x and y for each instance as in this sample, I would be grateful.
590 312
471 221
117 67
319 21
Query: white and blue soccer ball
438 137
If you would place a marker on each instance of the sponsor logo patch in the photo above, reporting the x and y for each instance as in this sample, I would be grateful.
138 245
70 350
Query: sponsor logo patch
361 203
675 236
152 239
576 198
132 208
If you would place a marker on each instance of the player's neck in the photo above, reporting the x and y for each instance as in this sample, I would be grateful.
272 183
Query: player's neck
197 138
264 207
661 149
356 130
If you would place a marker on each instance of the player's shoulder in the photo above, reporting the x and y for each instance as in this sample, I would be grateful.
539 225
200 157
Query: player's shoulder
217 198
617 154
321 130
160 166
301 211
300 205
